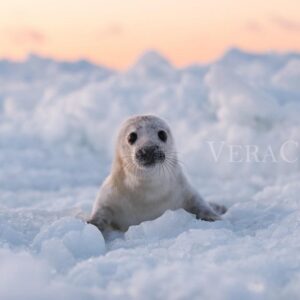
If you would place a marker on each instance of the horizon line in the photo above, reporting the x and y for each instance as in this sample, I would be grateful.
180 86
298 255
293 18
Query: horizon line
157 52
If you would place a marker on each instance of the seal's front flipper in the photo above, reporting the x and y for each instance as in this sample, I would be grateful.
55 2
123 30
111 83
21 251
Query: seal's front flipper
196 205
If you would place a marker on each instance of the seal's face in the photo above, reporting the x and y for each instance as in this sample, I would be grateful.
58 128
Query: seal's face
148 143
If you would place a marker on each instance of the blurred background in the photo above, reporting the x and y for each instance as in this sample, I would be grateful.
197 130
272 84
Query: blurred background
71 71
115 32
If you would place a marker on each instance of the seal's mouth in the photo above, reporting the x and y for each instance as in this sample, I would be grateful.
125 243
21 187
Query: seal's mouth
149 156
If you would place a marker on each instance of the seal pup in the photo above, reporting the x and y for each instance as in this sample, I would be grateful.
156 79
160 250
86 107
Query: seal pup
146 179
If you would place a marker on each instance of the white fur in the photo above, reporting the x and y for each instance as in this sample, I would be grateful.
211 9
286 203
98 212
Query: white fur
132 194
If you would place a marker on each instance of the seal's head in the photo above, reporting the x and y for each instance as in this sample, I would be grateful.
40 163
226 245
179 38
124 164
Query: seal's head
145 143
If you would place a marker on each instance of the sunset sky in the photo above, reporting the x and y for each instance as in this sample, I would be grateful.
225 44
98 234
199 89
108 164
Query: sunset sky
115 32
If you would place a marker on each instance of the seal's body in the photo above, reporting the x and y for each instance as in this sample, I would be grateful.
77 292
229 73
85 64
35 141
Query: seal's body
146 179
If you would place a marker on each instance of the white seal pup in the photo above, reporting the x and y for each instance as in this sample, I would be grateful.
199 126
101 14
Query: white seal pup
146 179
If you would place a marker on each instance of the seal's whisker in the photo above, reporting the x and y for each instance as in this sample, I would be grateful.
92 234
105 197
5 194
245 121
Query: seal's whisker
168 169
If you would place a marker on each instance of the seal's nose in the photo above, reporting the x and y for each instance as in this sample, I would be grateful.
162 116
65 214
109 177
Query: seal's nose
148 155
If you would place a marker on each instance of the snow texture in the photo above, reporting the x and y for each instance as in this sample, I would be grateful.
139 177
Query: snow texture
58 123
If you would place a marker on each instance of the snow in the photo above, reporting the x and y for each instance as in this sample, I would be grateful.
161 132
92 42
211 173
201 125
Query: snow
58 123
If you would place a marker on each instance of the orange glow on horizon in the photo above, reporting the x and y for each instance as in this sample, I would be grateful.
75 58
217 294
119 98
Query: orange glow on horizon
115 33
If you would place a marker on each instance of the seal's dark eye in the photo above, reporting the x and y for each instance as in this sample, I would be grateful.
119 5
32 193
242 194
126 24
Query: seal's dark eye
132 138
162 135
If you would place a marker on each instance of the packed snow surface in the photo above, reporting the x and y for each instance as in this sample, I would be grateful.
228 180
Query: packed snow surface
58 123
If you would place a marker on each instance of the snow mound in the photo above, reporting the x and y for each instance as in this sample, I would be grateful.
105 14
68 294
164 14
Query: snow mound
151 65
68 240
167 226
